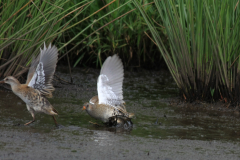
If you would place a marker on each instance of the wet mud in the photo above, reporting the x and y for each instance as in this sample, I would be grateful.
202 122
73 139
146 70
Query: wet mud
163 127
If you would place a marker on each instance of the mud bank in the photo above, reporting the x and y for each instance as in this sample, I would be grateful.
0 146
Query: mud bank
79 143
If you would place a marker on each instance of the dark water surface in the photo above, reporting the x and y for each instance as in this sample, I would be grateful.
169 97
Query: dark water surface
147 94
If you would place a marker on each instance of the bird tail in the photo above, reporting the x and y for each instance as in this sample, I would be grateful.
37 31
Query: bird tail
131 115
53 111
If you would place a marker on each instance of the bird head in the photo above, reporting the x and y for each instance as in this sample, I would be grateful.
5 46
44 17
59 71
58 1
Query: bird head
10 80
88 107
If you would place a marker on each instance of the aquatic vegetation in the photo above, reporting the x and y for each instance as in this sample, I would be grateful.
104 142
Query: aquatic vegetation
204 46
25 25
116 29
85 32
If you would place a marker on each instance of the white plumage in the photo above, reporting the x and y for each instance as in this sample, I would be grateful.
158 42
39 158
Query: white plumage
110 82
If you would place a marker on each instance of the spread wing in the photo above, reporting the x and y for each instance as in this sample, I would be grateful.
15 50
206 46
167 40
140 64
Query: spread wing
42 69
110 83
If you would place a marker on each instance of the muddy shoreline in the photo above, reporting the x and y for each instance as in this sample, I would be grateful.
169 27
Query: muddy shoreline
163 127
90 144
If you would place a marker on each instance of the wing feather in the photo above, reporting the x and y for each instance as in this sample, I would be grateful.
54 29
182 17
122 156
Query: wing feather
110 82
42 69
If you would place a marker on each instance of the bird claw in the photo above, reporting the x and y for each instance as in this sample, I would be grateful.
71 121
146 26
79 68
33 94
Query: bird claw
94 123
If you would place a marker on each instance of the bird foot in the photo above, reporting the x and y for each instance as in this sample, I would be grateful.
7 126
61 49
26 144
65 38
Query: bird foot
94 123
29 123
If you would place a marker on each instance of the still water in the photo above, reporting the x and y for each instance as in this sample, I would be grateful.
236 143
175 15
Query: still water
148 94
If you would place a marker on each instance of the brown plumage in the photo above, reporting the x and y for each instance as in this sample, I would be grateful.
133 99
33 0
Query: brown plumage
109 101
103 112
38 85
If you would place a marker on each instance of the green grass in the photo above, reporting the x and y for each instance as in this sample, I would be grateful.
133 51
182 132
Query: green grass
204 46
85 33
198 40
116 29
25 25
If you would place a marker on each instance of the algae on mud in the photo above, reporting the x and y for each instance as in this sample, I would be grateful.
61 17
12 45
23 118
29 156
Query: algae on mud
179 133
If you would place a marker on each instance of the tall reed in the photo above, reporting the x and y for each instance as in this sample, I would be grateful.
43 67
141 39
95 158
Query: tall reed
24 26
121 31
204 46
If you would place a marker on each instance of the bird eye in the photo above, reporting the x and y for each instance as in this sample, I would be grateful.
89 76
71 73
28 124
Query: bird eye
6 79
87 105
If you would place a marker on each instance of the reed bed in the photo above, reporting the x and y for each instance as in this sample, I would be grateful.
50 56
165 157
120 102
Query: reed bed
204 44
85 32
117 29
24 26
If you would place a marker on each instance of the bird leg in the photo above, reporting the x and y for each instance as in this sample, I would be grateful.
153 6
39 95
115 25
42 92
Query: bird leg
55 121
94 123
30 121
32 113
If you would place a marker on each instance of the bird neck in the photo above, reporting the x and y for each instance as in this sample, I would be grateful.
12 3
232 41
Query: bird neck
15 84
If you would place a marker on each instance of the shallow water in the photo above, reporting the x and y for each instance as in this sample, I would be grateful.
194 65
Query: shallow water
147 94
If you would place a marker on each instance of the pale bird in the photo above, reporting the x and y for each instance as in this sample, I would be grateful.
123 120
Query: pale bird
108 105
39 83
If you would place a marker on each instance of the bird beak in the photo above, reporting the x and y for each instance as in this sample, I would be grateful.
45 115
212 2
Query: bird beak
2 81
84 108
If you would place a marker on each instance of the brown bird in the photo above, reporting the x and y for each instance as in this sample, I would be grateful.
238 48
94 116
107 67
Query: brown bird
108 105
39 83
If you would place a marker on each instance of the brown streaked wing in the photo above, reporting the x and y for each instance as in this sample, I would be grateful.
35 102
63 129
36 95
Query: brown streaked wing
42 70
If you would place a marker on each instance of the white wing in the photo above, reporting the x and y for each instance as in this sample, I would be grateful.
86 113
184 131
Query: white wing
42 69
110 82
